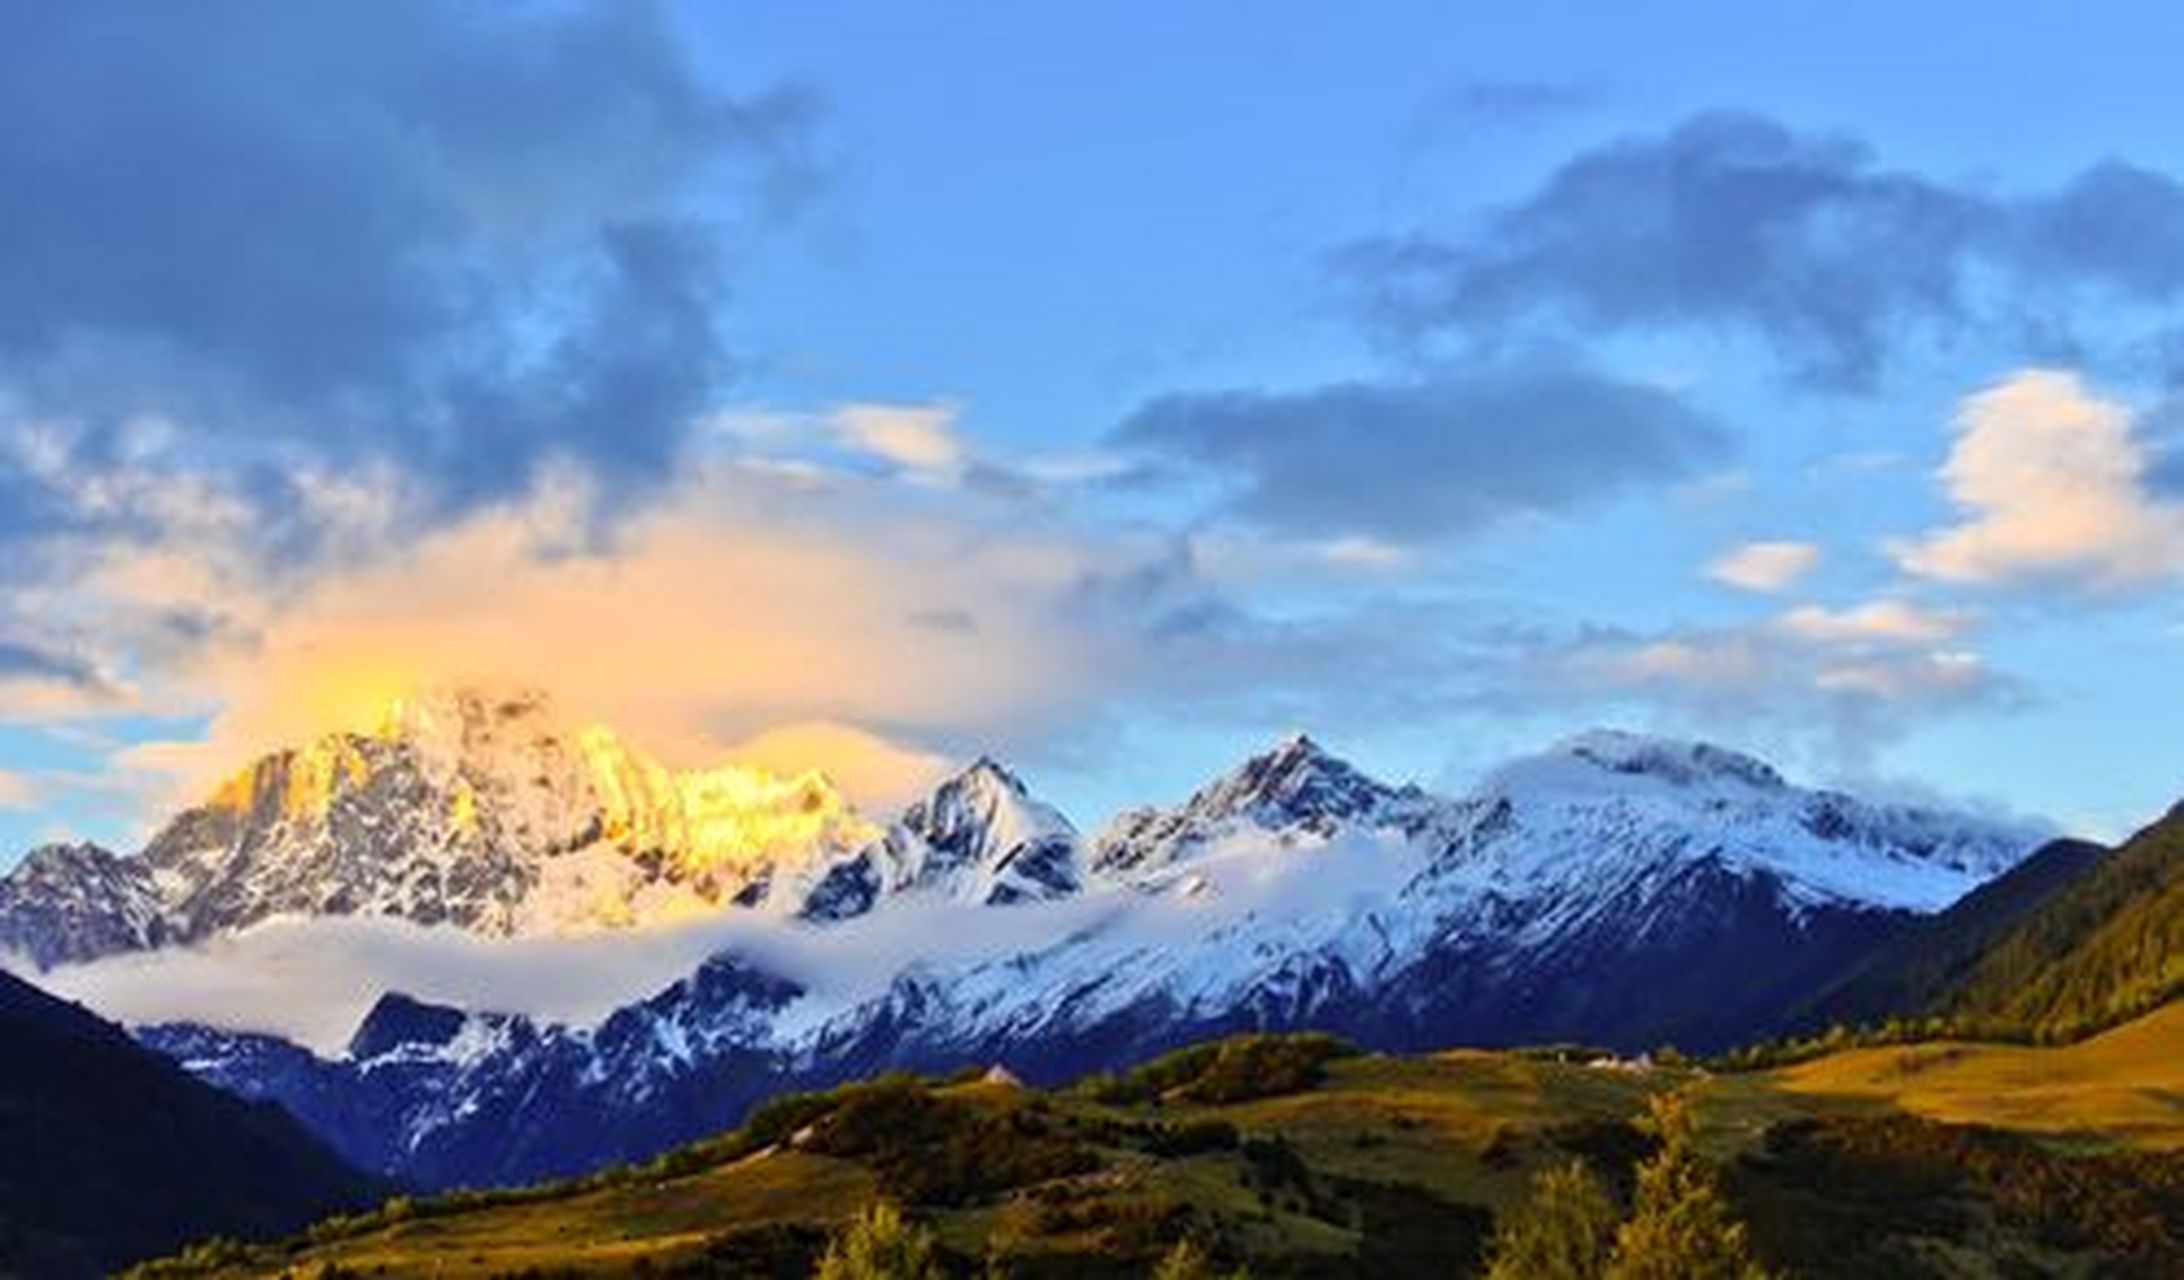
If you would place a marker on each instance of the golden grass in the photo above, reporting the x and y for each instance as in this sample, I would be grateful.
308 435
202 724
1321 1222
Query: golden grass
605 1231
2121 1088
1469 1127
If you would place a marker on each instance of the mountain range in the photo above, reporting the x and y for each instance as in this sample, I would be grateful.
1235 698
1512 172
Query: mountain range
1618 889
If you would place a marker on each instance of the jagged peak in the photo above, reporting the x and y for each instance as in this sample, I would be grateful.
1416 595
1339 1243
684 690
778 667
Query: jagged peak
987 773
462 711
398 1019
985 794
69 853
1296 775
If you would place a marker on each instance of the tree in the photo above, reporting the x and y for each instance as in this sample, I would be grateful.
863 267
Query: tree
1563 1233
879 1245
1189 1262
1680 1227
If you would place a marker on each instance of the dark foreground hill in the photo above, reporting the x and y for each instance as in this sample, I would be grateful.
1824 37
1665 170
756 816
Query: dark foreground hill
110 1152
1292 1156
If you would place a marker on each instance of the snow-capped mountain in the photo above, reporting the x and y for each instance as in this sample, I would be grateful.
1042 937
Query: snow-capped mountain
1616 889
68 902
443 1096
980 837
490 814
1295 791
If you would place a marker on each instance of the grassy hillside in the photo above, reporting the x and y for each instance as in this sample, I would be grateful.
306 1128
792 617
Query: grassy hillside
1923 967
2124 1087
2107 947
1298 1158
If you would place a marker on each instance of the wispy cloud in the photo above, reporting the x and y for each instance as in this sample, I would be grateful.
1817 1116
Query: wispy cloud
17 790
1765 566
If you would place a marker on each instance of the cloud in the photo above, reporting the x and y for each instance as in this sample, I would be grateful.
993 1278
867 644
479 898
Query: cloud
2052 484
1898 620
734 606
1838 683
918 438
1804 241
1765 566
1421 460
41 683
824 614
884 777
17 791
461 241
314 979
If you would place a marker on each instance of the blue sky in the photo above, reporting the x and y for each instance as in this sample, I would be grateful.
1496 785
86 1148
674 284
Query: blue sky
1110 389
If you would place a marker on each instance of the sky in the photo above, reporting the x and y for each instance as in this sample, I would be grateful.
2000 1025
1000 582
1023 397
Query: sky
1110 389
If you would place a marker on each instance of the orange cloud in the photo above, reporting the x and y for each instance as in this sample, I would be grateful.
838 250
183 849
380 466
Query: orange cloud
2051 483
735 620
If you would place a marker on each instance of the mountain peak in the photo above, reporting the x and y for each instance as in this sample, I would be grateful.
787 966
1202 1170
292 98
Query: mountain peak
459 711
1295 785
987 773
980 836
398 1020
1294 780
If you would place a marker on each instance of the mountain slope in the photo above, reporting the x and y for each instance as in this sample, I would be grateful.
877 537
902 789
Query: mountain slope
112 1153
1912 972
2107 947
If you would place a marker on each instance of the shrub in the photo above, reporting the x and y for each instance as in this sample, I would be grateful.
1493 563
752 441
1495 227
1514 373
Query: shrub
1191 1138
1238 1069
880 1245
1188 1262
1564 1233
928 1149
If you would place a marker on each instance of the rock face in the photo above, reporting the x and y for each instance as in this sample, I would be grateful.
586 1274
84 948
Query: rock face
979 838
489 814
1296 791
1617 889
69 902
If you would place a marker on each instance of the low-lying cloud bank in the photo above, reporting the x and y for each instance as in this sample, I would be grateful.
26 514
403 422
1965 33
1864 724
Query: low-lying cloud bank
312 980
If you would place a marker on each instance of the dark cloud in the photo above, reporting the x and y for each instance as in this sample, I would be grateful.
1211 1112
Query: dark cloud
21 661
458 237
1734 222
1423 459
